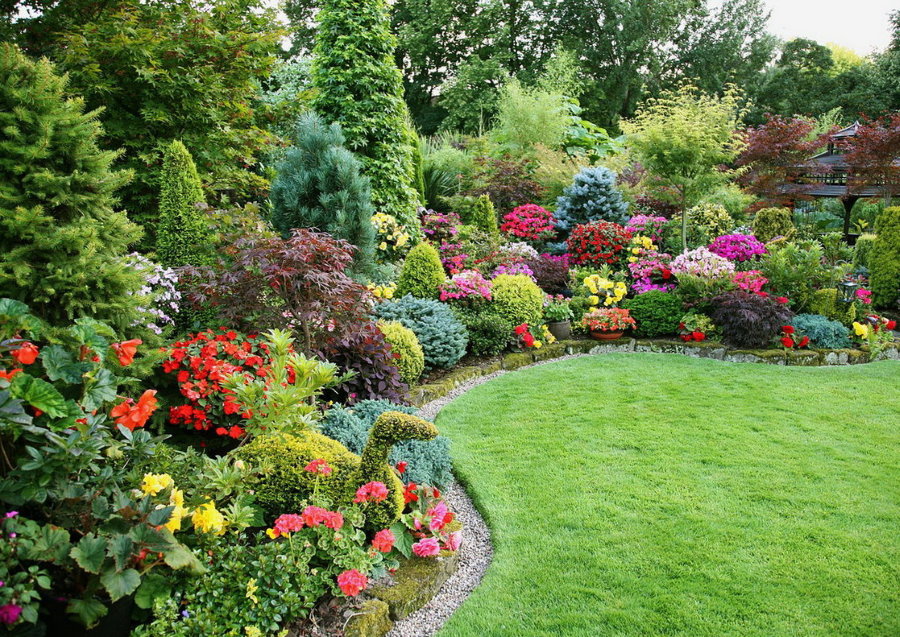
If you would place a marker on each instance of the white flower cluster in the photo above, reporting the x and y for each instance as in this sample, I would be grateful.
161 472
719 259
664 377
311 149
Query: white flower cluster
160 286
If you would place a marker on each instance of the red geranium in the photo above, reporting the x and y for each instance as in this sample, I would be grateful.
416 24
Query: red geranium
352 582
788 342
383 541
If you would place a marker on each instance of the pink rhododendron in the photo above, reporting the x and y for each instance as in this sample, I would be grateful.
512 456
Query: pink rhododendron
737 247
751 281
466 285
428 547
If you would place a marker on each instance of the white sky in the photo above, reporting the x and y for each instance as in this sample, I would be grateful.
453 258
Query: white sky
861 25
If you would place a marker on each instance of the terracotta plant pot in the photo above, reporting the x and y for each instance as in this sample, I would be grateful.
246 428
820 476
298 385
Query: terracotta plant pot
607 336
561 330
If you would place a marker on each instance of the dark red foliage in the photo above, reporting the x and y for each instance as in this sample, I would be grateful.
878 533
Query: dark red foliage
551 273
365 352
748 320
508 183
651 206
874 154
775 155
300 282
598 243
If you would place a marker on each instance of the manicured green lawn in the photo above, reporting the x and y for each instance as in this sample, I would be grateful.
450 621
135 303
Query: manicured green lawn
660 495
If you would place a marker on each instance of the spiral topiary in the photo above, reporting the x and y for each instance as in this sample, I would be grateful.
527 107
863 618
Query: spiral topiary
422 273
442 337
517 298
774 222
410 359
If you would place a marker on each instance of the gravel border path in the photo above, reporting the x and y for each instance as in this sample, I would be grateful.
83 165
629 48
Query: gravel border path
476 551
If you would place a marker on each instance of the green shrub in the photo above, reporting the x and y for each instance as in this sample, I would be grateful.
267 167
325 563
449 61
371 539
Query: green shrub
183 230
442 337
428 460
657 313
404 344
518 299
489 331
863 250
422 273
483 215
773 222
825 302
62 246
319 185
823 333
707 221
884 261
795 270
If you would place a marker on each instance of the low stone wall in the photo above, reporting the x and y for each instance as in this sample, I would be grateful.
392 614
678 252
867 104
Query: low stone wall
809 358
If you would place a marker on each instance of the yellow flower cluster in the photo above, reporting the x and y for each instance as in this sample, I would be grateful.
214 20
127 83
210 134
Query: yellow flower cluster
392 237
639 246
547 335
176 500
155 482
383 291
613 292
861 330
207 519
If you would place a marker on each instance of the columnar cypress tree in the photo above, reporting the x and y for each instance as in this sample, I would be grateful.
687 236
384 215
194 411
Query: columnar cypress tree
182 226
62 245
884 260
319 186
360 87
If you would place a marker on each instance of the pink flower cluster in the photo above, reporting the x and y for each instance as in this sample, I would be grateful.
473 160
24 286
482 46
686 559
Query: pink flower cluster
646 226
452 257
513 268
439 227
737 247
435 520
371 491
651 273
312 516
865 296
703 263
468 284
352 582
751 281
530 222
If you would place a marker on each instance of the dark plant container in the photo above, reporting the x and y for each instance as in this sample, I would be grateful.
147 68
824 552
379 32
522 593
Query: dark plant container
561 330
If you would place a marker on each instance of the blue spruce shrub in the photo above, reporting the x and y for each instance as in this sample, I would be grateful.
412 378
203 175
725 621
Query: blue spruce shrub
593 195
822 332
442 336
428 461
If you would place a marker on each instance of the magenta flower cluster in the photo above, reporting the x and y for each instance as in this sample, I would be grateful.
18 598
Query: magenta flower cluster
530 222
465 285
452 257
439 227
737 247
513 268
646 226
651 273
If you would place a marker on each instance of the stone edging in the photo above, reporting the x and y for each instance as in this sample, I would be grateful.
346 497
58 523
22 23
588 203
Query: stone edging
424 394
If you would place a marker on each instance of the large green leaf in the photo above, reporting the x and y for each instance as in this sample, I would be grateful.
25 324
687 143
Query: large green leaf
100 389
119 584
39 394
121 548
12 412
154 586
180 557
90 553
60 365
89 611
159 517
51 545
402 539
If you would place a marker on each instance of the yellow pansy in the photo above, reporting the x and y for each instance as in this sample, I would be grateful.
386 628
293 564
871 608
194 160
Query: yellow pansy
207 519
155 482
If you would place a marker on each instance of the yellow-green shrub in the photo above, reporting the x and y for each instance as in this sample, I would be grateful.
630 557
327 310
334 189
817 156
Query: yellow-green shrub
774 222
884 260
518 298
410 357
422 273
825 303
863 250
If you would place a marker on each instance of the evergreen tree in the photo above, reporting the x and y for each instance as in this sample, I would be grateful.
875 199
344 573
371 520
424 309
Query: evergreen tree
62 245
884 259
319 186
182 226
361 88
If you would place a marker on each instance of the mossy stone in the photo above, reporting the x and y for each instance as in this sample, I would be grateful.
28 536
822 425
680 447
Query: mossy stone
517 360
372 620
416 582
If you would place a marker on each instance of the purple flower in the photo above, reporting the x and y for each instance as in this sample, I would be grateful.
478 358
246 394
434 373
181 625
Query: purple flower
737 247
9 614
11 514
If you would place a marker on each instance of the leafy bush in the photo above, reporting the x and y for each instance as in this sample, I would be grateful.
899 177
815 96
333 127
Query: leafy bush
365 351
422 273
657 313
428 460
518 299
598 243
527 116
62 246
442 337
319 186
550 272
748 320
706 221
822 332
489 331
795 271
773 222
182 225
508 182
483 216
593 196
884 259
301 282
863 250
410 359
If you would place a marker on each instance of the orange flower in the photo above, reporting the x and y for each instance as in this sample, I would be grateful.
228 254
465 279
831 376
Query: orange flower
131 415
26 354
8 376
126 351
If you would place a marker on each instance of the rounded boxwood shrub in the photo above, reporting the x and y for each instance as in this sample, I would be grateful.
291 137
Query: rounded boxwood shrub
822 332
410 359
428 461
884 260
517 298
748 320
422 273
657 313
489 331
442 337
592 196
773 222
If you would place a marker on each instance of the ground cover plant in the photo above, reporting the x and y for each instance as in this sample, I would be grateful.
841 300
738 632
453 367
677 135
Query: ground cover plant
666 512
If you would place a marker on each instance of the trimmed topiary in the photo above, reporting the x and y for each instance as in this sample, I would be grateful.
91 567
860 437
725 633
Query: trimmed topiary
884 260
442 337
405 346
822 332
657 313
183 230
489 331
748 320
773 222
422 273
863 250
517 298
592 196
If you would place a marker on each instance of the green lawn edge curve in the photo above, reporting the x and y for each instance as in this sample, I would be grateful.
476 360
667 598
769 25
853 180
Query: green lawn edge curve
649 494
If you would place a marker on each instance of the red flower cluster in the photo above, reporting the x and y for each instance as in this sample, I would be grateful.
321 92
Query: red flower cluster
126 350
384 541
530 222
312 516
26 354
371 491
318 466
598 243
200 364
525 335
789 338
131 415
352 582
